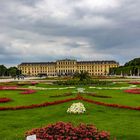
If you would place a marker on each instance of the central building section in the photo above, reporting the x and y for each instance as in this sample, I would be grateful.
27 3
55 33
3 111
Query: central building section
66 67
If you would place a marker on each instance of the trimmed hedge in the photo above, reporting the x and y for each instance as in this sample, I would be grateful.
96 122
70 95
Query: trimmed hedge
85 82
100 96
61 95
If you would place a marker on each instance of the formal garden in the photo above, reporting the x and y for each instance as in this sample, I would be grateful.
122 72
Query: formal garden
68 109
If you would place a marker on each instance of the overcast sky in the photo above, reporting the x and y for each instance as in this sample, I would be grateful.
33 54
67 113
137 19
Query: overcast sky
47 30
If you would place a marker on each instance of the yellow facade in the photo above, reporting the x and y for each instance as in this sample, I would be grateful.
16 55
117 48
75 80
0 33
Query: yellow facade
67 67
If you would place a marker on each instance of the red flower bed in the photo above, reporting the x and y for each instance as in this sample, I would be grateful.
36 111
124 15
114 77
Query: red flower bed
4 100
28 91
133 91
34 83
135 83
66 131
8 87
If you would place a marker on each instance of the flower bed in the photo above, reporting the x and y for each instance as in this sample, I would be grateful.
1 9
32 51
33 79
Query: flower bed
133 91
76 108
34 83
66 131
5 100
28 91
135 83
8 87
27 83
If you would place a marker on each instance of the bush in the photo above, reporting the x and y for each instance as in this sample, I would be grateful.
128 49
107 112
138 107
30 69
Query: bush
66 131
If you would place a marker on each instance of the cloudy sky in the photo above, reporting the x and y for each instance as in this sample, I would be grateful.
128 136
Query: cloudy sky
47 30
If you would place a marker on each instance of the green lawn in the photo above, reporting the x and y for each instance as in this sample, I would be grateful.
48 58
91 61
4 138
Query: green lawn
123 124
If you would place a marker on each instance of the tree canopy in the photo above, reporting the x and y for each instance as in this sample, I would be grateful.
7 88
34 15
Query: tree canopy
12 71
130 68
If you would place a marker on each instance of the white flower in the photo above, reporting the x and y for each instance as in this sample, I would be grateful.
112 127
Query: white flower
76 108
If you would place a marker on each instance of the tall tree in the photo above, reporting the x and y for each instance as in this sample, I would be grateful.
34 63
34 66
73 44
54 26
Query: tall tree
3 70
13 71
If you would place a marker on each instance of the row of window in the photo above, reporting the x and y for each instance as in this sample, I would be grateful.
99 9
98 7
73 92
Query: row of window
78 67
66 63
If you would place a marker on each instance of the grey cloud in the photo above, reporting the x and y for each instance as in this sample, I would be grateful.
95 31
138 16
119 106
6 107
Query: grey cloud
75 31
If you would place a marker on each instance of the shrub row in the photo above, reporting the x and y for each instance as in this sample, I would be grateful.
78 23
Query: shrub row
84 82
100 96
61 95
66 131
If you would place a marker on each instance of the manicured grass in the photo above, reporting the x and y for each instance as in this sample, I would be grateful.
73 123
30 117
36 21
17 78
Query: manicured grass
118 97
39 97
123 124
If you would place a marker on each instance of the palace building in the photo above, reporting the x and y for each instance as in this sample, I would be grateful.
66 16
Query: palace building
67 67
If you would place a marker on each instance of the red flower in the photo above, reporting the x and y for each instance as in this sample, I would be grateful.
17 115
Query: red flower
58 131
133 91
4 100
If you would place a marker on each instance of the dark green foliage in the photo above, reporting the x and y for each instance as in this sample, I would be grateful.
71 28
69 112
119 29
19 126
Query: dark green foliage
130 68
83 75
3 70
12 71
84 82
134 62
